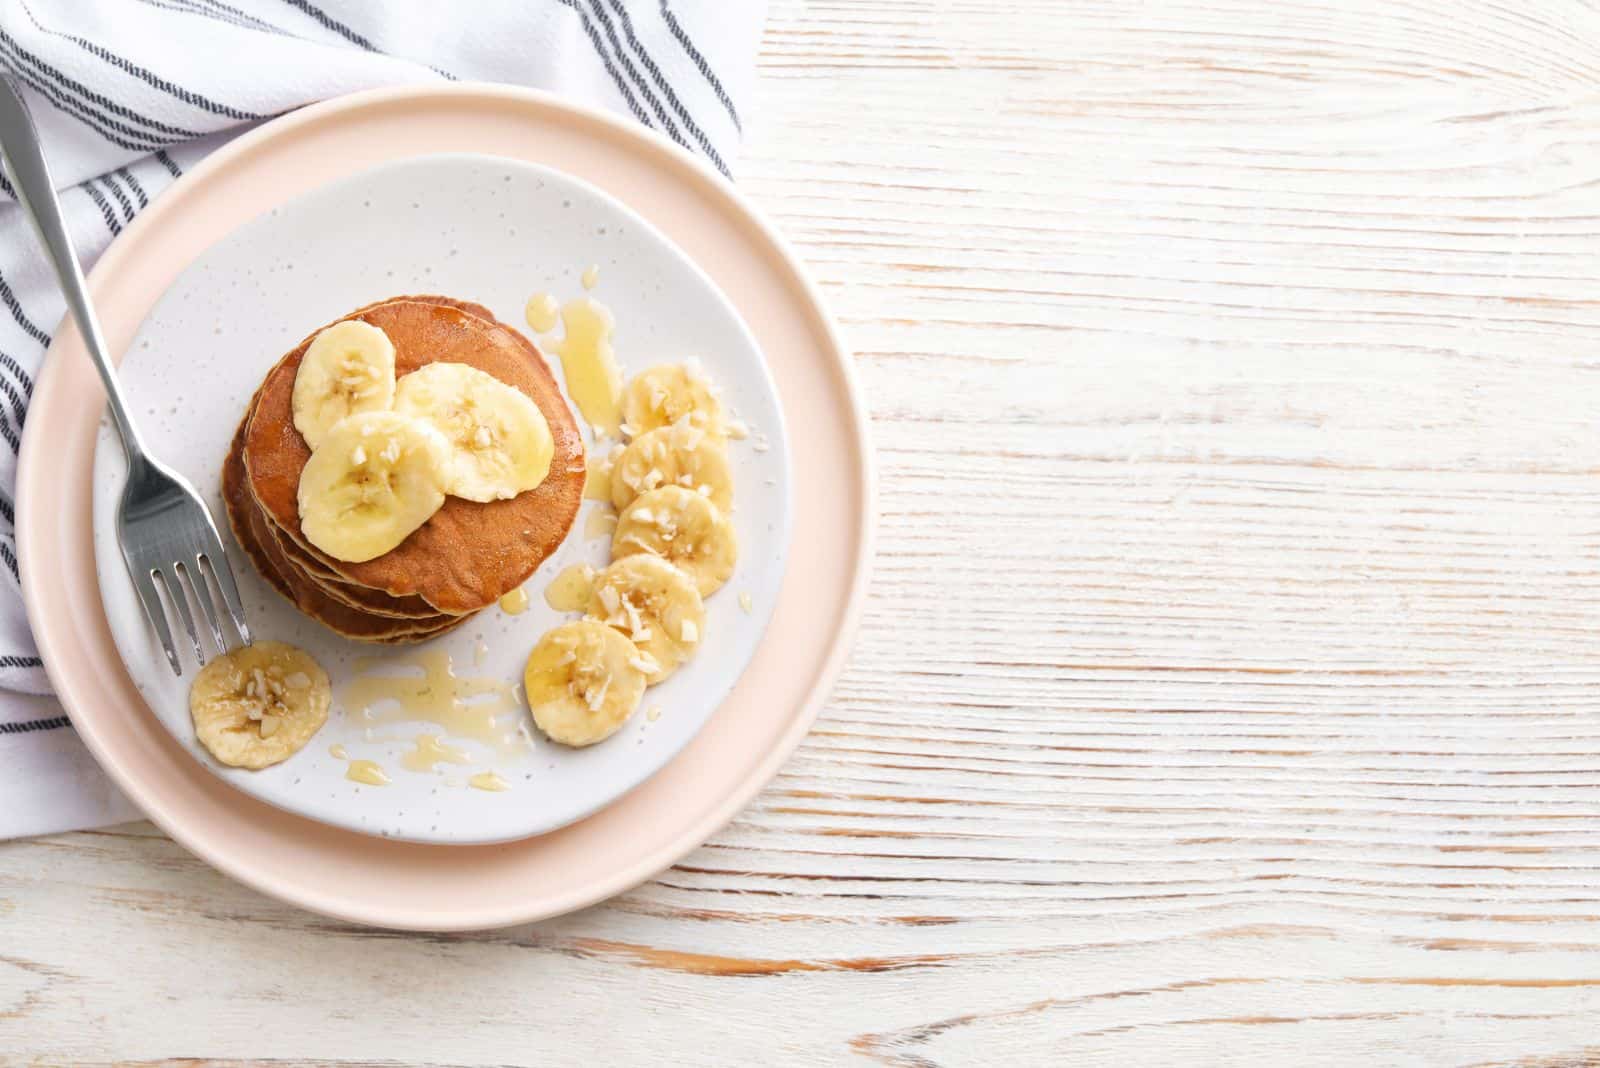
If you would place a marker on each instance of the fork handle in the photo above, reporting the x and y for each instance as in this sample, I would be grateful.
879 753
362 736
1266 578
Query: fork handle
23 161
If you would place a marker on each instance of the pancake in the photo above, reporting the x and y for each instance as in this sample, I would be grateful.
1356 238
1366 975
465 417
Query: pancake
372 602
468 554
249 530
362 598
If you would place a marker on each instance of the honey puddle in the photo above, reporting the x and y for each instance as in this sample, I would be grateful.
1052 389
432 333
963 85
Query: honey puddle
570 590
543 312
600 524
337 752
365 771
431 750
594 382
488 780
422 687
746 602
597 481
591 276
515 603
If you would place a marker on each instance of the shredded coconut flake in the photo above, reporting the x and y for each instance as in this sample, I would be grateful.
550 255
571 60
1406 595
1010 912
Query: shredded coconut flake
635 621
593 697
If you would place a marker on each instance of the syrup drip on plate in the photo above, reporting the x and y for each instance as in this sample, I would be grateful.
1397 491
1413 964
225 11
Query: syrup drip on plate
367 773
488 780
424 688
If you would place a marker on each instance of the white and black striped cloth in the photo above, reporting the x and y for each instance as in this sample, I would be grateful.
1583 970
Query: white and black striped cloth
129 94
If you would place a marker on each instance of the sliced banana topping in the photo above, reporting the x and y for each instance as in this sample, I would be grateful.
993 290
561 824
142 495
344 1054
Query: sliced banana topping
259 705
583 681
682 454
348 369
683 528
655 605
667 393
374 479
500 443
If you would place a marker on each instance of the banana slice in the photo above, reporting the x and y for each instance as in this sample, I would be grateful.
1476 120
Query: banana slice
257 706
348 369
682 528
375 478
656 606
500 443
682 454
583 681
667 393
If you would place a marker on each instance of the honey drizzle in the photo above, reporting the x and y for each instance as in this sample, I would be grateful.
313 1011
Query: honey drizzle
543 312
367 773
430 751
477 708
570 590
600 524
594 382
488 780
597 481
515 602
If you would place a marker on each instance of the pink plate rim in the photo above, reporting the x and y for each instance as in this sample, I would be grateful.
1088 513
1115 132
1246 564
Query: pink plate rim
367 881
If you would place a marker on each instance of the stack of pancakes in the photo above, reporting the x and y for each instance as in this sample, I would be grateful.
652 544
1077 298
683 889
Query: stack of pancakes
458 562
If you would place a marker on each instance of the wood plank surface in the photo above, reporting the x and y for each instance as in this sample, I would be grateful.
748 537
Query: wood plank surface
1227 692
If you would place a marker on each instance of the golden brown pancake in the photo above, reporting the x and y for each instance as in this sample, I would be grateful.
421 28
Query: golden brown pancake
375 602
468 553
250 532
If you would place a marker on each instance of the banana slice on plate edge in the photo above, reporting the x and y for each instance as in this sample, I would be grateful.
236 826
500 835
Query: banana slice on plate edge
656 605
680 454
259 705
583 681
683 528
666 393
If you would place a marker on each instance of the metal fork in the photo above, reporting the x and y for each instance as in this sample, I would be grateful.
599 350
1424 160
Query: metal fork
168 539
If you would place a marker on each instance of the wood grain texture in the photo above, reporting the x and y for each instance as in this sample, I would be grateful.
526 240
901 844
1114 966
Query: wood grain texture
1229 691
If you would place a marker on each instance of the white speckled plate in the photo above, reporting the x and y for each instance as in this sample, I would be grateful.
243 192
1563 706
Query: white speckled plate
488 230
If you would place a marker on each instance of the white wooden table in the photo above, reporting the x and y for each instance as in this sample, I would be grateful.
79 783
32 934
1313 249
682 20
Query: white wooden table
1228 690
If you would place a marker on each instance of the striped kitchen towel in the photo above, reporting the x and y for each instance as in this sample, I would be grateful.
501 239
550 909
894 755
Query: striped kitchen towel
129 94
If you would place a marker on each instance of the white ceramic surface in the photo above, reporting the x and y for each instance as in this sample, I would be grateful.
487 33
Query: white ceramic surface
493 231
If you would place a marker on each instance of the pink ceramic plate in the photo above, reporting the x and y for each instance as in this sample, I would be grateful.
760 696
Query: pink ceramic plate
396 884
